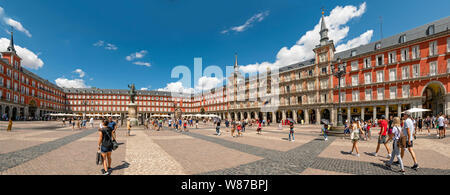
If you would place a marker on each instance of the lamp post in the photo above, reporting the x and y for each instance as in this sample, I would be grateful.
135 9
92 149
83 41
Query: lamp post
339 74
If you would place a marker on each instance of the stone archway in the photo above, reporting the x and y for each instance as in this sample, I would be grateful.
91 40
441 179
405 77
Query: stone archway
300 116
233 116
325 114
433 94
312 116
278 116
252 115
289 114
14 114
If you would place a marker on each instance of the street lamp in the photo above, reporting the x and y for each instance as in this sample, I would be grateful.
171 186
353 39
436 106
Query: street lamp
339 74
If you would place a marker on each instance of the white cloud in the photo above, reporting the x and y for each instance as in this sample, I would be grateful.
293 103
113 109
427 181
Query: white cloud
29 58
110 46
105 45
137 55
142 64
207 83
255 18
177 87
356 42
66 83
80 72
14 23
17 25
303 49
144 89
99 43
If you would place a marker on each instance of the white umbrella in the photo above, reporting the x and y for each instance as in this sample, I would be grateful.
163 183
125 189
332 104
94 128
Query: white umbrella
414 110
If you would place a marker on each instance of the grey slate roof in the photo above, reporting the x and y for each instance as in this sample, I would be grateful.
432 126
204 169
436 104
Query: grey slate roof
416 33
116 91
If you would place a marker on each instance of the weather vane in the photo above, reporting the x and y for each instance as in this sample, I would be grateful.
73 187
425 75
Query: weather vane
323 10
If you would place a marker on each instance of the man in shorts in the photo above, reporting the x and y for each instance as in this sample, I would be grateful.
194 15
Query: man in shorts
408 131
382 136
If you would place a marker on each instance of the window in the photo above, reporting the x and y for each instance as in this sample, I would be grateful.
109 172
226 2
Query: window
405 72
380 93
392 74
310 73
355 96
393 92
430 30
448 65
367 63
416 52
342 82
433 48
377 46
402 39
353 53
405 91
368 78
324 70
380 60
324 84
355 80
405 54
448 47
354 65
311 85
342 97
392 57
368 94
433 68
380 76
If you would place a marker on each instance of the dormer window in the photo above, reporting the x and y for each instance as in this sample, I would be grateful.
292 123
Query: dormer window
402 39
377 46
353 53
430 30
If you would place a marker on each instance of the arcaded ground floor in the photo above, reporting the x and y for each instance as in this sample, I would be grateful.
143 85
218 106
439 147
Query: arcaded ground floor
45 148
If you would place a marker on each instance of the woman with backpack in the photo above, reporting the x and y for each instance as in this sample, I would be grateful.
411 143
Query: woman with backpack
398 143
105 146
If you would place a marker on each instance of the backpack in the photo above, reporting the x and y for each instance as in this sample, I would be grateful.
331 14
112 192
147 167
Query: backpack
109 142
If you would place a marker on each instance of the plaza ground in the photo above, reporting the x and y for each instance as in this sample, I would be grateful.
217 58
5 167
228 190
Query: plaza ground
48 148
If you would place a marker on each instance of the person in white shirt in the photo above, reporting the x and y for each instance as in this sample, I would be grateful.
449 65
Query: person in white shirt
441 125
408 131
92 122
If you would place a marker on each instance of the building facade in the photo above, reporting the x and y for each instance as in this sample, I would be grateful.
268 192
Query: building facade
386 77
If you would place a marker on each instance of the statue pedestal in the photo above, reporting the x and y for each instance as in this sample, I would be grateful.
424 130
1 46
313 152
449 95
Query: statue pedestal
132 114
337 131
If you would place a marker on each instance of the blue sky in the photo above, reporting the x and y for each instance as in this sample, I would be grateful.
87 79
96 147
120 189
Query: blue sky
63 34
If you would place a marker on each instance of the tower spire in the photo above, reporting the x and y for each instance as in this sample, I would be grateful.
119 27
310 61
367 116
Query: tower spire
236 61
11 43
323 30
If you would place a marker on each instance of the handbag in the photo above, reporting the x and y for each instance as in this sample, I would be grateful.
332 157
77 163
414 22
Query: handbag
99 159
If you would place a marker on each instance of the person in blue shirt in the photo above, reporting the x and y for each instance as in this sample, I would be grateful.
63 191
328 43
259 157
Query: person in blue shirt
113 126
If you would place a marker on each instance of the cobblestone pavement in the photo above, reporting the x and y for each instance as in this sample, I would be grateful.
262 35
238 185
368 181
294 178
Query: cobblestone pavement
12 159
50 148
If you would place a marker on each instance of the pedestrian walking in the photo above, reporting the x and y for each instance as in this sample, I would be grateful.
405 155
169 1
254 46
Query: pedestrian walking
325 130
408 131
397 144
10 124
259 128
218 128
354 136
291 132
91 121
128 127
233 128
382 136
105 146
441 125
